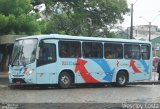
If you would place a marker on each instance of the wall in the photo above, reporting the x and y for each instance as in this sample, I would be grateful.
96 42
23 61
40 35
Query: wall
6 45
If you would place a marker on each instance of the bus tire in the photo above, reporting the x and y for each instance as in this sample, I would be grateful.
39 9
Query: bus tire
65 80
121 79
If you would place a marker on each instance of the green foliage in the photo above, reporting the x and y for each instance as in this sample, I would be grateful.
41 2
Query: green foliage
84 17
15 7
158 53
16 18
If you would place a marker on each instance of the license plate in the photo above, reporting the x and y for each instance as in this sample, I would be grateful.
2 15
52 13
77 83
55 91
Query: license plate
18 82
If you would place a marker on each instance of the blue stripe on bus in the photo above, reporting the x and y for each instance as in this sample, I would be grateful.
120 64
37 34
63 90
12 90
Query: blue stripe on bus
146 67
105 67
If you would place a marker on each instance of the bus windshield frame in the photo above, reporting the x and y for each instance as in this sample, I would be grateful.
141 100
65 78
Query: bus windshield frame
24 52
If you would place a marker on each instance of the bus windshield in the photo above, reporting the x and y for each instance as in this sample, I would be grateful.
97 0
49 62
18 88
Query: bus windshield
24 52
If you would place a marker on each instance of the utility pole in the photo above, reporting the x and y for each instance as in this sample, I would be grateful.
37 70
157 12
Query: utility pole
149 31
131 28
149 25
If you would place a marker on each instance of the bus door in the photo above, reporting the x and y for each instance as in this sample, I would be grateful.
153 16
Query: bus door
46 66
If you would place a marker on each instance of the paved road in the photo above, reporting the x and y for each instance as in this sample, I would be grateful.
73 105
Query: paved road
31 98
3 81
85 94
139 93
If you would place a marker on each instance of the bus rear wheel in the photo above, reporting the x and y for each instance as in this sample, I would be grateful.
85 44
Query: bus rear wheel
121 79
65 80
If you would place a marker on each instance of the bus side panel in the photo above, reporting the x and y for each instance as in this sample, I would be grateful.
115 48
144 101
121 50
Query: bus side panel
68 64
85 70
106 70
94 70
91 71
47 73
137 69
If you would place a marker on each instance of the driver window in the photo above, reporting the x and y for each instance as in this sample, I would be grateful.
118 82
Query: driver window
47 53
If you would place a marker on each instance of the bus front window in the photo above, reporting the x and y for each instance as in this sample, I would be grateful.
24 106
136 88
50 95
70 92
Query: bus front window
24 52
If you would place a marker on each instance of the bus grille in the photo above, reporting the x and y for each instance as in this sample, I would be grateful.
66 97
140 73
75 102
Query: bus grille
18 75
18 80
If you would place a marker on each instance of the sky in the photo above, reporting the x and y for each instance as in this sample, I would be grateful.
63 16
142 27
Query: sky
148 10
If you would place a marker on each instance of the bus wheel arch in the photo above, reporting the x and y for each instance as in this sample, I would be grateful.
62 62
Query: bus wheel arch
122 78
66 78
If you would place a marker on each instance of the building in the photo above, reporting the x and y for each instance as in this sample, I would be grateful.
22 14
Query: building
142 32
6 45
156 46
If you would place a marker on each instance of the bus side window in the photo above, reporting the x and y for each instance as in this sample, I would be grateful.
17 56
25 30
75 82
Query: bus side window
132 51
44 53
47 54
69 49
113 51
145 51
87 49
92 50
63 52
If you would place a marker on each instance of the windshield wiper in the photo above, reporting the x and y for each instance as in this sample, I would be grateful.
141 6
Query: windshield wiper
20 50
16 57
22 60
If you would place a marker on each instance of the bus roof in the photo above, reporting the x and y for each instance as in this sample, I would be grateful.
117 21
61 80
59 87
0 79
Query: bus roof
69 37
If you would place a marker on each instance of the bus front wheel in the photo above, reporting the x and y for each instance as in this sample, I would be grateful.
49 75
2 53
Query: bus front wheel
65 80
121 79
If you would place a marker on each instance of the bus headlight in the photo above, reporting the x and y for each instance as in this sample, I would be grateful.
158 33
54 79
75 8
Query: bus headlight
9 73
30 72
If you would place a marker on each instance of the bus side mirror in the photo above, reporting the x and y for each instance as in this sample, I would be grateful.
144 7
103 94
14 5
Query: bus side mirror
37 53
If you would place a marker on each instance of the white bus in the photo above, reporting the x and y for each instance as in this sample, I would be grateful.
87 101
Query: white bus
66 60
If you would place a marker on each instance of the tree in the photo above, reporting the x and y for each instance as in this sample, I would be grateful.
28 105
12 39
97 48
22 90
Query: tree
16 17
84 17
